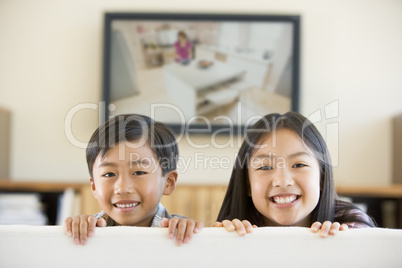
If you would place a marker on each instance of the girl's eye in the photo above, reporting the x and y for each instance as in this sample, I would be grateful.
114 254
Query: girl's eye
138 173
298 165
265 168
109 174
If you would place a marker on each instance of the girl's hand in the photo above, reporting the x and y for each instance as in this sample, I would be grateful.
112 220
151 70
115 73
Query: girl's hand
81 227
328 228
185 228
241 227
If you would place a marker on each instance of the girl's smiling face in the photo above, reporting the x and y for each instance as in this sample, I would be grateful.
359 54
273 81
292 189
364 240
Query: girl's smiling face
284 178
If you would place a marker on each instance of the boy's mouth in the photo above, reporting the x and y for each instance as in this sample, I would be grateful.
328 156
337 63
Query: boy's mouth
126 204
284 199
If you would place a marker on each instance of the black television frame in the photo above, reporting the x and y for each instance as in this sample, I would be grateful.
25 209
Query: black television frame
295 20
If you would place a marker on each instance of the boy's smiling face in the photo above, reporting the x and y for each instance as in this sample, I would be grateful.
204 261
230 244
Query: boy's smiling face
128 183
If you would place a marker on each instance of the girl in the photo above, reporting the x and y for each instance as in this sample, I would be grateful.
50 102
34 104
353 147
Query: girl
183 48
283 177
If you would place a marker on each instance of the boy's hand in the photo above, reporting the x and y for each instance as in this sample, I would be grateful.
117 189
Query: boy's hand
242 227
81 227
185 228
328 228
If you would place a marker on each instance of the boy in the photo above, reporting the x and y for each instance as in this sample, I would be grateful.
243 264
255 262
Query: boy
132 162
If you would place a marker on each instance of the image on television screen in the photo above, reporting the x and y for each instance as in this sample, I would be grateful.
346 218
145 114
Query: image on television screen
206 72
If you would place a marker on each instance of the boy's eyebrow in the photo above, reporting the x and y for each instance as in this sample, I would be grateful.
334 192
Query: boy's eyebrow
141 161
107 164
135 162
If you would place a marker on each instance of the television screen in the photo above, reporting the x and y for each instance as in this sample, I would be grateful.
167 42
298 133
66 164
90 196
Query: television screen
201 72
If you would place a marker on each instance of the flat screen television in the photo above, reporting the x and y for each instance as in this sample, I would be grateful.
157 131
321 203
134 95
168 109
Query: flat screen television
201 73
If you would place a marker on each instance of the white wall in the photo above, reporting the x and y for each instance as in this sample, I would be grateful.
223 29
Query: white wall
50 61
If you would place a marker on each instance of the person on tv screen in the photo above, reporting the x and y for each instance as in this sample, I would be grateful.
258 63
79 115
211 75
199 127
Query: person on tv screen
183 48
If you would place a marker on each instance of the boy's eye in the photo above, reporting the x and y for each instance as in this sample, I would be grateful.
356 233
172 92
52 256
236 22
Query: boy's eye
138 173
265 168
298 165
109 174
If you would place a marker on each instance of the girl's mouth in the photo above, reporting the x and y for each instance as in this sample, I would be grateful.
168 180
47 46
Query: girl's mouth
284 199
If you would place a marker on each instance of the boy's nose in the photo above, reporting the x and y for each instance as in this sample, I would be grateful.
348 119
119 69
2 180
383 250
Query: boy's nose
124 185
282 178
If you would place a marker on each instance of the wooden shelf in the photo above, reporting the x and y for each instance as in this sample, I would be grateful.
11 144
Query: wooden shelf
203 202
39 186
391 191
89 204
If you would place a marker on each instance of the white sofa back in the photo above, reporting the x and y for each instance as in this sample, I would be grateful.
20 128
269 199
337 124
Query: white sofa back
48 246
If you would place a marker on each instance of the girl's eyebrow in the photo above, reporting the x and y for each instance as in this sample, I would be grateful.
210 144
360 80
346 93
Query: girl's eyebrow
263 156
271 155
298 154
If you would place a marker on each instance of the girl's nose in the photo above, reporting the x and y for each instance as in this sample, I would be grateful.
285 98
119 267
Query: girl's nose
282 178
124 185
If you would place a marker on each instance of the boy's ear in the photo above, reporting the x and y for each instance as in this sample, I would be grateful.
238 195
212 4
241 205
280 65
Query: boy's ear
170 184
93 188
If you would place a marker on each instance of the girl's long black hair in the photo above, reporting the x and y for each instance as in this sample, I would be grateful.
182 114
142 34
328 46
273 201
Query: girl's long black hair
237 202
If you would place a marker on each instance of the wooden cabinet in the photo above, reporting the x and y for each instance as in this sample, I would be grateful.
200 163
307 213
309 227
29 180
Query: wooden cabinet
199 202
383 203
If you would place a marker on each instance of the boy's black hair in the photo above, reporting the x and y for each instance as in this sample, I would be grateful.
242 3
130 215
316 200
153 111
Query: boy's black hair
238 204
134 128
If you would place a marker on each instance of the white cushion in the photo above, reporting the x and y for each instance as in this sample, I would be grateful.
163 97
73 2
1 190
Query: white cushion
48 246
